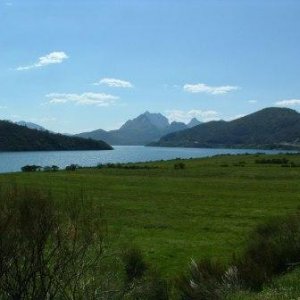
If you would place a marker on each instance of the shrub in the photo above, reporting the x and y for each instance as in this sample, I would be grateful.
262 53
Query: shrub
31 168
54 168
46 252
72 167
239 164
140 281
224 165
179 166
134 264
276 161
129 166
150 287
272 249
203 281
51 169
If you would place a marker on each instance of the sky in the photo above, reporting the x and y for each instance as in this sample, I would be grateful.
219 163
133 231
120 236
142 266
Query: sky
74 66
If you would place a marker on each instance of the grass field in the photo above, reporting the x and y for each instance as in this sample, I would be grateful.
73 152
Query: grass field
204 210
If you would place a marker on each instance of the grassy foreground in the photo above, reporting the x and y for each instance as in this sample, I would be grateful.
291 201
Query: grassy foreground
204 210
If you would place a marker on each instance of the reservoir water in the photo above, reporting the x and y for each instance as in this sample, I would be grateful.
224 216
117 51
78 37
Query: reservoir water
13 161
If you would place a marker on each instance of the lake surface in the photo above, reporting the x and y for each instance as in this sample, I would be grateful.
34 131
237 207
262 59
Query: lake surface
13 161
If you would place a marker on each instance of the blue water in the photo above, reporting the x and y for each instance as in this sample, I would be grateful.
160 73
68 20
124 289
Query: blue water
13 161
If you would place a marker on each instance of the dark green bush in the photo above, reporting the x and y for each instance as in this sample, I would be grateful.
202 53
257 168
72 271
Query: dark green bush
272 249
239 164
179 166
72 167
51 168
134 264
224 165
276 161
47 252
128 166
141 282
31 168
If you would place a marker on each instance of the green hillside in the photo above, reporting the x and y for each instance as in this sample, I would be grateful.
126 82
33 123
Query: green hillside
269 128
14 137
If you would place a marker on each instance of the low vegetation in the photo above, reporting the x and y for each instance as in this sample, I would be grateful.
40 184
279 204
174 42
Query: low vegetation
156 220
272 249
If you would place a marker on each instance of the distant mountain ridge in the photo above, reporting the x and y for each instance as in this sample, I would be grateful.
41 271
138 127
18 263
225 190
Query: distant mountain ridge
269 128
145 128
31 125
14 137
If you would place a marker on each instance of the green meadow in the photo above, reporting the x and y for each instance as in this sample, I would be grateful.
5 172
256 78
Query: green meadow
205 210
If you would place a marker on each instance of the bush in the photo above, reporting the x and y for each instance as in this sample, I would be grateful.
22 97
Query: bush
129 166
179 166
239 164
51 169
272 249
46 252
31 168
203 281
150 287
140 281
134 264
224 165
276 161
72 167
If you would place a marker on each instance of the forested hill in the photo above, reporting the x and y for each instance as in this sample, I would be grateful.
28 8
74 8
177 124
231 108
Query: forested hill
270 128
14 137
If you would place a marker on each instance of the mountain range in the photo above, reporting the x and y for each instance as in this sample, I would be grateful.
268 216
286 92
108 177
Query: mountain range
269 128
145 128
14 137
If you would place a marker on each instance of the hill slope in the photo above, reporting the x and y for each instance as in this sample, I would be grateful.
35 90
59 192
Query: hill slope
268 128
14 137
141 130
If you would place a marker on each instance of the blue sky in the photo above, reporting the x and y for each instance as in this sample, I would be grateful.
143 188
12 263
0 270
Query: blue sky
73 66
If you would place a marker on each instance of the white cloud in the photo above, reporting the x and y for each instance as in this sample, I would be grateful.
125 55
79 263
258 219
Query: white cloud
252 101
98 99
51 58
289 102
186 116
113 82
212 90
235 117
